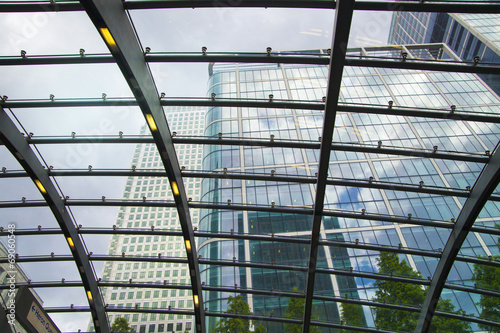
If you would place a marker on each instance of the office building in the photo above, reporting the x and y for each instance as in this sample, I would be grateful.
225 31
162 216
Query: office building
11 274
470 36
187 122
273 127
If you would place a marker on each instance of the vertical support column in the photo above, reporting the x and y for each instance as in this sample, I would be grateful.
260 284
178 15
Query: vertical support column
20 149
343 18
112 22
485 185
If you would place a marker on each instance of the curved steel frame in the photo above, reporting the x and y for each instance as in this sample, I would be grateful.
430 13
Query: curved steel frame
112 22
268 238
411 64
486 183
453 7
70 284
341 29
19 148
318 106
229 141
361 183
236 207
127 53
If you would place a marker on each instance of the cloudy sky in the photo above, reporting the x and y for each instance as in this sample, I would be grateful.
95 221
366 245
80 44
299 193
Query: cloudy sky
175 30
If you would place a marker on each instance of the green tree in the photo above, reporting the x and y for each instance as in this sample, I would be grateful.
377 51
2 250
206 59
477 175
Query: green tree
442 324
295 310
121 325
407 294
488 277
236 305
352 314
396 293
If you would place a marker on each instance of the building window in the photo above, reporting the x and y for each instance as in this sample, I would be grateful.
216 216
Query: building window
142 329
179 327
152 328
170 327
161 328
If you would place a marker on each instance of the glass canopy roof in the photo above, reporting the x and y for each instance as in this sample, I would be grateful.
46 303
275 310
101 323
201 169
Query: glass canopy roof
162 157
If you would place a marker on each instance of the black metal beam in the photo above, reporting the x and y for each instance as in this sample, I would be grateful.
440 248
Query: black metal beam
243 57
120 310
123 284
233 207
249 142
302 210
265 238
278 293
112 22
343 17
128 258
274 293
57 60
261 208
361 183
427 65
485 184
409 64
227 263
452 7
415 112
19 148
256 317
312 105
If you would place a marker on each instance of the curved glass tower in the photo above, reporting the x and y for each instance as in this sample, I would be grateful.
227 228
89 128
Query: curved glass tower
430 90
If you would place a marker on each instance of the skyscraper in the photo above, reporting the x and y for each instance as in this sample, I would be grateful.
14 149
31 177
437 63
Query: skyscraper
280 180
468 35
187 121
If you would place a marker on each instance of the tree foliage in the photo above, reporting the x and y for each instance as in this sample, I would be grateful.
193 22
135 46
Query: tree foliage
352 314
488 277
121 325
396 293
442 324
295 310
236 305
407 294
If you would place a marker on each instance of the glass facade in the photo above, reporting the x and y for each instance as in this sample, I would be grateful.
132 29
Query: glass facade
468 35
360 86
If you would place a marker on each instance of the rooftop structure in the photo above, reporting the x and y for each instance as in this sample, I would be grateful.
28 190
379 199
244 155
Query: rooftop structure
376 145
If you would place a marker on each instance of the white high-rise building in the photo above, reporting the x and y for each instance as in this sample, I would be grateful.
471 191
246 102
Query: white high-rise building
188 121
